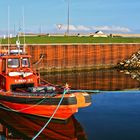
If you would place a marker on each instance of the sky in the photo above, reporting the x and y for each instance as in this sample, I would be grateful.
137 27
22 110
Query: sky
44 16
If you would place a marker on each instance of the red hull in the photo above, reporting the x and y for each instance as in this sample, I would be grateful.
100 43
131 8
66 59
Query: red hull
63 113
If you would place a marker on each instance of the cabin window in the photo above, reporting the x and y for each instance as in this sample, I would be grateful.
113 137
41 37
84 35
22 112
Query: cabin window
13 63
25 62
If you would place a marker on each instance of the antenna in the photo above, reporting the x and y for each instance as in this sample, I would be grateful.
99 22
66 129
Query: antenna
68 22
40 29
14 30
0 45
23 29
18 41
8 29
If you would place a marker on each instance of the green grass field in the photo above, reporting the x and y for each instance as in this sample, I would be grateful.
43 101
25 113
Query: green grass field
71 39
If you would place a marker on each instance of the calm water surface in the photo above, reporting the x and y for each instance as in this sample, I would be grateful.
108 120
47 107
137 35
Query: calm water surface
112 115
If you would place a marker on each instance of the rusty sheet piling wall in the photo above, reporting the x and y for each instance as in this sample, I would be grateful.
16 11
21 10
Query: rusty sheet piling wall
61 57
79 56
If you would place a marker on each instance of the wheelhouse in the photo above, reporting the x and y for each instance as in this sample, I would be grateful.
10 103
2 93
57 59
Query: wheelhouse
16 71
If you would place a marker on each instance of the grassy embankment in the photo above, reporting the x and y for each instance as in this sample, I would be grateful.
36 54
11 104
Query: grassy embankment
72 39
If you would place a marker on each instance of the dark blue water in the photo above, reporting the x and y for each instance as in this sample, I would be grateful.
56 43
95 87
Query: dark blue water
112 116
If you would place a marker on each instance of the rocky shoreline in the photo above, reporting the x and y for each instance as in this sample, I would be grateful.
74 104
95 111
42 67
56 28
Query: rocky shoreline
131 63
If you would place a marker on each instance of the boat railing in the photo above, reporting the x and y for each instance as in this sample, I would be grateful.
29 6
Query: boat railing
13 49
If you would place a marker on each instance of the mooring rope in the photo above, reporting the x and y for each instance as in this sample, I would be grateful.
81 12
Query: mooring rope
105 91
88 91
65 91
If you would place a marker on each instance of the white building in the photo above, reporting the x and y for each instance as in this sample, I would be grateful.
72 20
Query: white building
99 34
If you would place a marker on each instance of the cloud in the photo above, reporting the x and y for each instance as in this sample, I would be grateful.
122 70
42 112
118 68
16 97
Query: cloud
83 28
111 28
76 28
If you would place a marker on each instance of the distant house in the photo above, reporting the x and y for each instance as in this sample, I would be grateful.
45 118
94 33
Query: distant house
99 34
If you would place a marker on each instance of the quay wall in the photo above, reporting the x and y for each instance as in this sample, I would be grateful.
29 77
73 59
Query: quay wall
59 57
80 56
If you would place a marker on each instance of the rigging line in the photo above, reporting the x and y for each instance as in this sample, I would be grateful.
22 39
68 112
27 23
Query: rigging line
65 91
47 82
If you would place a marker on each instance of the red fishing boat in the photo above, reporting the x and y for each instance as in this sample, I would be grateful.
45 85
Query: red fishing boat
22 90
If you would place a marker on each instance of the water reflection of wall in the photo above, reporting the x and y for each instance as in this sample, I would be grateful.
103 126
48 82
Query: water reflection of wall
103 80
15 126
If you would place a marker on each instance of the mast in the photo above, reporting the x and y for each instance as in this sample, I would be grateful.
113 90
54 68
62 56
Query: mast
8 30
68 17
18 40
0 45
23 29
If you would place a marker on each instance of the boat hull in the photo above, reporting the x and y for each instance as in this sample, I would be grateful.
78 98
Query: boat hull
44 105
63 112
41 105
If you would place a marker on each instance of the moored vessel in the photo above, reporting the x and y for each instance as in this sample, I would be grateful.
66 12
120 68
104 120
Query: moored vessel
22 90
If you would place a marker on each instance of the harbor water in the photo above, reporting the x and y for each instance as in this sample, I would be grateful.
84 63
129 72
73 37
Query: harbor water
113 115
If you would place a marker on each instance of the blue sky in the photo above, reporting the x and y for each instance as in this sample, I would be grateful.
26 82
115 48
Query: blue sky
85 15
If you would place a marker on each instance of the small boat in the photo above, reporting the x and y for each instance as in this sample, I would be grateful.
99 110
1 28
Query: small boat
22 90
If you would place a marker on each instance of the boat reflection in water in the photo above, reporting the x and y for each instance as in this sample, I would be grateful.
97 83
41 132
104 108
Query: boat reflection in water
15 126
